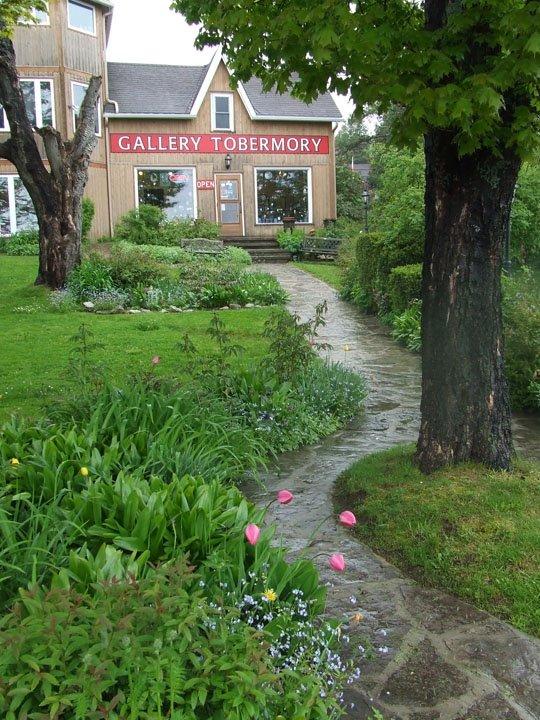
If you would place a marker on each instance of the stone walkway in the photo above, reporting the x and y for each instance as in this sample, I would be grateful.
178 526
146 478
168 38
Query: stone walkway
435 657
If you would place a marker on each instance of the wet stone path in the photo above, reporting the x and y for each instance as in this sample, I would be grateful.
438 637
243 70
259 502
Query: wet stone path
434 656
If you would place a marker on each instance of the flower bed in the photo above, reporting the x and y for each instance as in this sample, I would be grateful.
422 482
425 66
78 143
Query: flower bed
135 278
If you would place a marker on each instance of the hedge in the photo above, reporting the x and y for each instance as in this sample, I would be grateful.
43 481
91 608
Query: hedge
404 286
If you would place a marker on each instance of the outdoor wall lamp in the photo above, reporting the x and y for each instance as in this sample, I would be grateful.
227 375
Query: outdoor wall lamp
228 161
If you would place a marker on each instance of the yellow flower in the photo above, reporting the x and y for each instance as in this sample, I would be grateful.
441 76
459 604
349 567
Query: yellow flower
14 461
347 348
357 618
270 595
85 472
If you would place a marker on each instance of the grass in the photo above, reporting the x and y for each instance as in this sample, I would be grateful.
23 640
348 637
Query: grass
328 272
36 340
468 530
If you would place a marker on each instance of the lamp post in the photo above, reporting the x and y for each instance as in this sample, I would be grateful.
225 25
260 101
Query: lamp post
365 196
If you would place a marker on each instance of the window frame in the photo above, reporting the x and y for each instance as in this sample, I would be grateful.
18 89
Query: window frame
274 168
73 118
169 168
78 29
12 205
230 98
38 105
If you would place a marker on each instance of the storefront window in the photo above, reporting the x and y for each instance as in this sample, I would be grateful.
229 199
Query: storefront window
16 208
283 193
171 189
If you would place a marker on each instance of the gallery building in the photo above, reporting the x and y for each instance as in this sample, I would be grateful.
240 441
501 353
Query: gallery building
175 136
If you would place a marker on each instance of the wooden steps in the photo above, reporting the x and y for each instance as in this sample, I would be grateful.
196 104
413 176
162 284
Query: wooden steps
261 249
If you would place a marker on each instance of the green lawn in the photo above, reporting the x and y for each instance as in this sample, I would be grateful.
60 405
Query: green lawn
329 272
35 341
473 532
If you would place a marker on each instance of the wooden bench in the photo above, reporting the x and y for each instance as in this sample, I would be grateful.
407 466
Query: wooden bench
320 247
203 246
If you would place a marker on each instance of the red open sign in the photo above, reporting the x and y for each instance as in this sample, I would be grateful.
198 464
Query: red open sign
205 184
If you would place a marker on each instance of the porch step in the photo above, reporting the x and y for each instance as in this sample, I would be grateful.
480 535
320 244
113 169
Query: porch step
261 248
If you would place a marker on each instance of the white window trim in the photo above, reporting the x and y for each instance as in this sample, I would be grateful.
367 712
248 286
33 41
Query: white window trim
11 204
281 167
78 29
230 97
165 168
38 107
73 118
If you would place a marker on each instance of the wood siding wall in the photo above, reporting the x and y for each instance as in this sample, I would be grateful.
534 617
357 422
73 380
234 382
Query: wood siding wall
55 52
123 175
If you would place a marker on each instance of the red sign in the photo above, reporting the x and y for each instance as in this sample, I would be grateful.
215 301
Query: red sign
205 184
178 177
222 144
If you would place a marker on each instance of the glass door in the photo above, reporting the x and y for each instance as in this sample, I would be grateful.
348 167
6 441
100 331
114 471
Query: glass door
229 204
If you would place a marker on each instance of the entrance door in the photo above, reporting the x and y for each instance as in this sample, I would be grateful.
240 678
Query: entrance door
230 213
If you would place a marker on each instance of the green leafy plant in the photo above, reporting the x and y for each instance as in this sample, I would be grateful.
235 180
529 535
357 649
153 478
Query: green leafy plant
25 242
291 240
88 212
406 327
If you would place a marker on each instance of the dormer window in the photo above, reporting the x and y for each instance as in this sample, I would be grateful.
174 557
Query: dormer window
222 111
81 17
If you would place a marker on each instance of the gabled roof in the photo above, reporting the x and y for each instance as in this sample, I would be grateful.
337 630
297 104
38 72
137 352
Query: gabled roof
168 90
177 91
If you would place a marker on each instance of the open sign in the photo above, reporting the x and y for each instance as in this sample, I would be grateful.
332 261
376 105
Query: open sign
178 177
205 184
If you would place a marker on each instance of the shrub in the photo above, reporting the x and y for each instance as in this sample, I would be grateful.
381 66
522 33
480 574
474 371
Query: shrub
404 286
349 187
406 327
25 242
141 225
131 269
88 212
160 253
91 276
236 256
291 240
522 338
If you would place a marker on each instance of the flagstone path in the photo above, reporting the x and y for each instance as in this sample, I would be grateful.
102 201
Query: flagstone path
435 656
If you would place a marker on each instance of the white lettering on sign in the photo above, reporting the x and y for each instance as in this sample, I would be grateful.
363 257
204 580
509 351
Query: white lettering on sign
220 143
205 184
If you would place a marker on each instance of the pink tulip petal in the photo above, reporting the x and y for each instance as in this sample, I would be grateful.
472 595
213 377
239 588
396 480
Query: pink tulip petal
285 497
347 518
337 562
252 534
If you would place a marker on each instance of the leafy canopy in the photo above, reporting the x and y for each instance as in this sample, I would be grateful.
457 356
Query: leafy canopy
477 75
16 11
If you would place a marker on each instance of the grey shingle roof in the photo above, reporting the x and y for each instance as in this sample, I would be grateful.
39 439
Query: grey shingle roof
171 90
272 104
154 89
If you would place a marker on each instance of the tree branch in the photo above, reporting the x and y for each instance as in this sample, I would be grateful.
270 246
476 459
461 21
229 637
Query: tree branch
6 150
54 149
85 139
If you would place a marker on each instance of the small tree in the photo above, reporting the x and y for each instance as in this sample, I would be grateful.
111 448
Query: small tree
56 186
466 74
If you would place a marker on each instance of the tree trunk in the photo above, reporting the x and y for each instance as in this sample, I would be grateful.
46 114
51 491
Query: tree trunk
465 403
54 175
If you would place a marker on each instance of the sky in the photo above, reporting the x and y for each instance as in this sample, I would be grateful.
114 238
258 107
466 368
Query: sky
162 36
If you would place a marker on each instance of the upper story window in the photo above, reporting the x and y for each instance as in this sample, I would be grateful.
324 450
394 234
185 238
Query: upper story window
39 102
81 17
78 92
222 111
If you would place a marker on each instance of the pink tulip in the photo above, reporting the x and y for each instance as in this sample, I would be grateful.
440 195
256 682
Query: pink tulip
284 497
252 534
337 562
347 518
156 360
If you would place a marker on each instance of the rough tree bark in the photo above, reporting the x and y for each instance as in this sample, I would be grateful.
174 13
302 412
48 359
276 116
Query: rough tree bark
465 404
57 190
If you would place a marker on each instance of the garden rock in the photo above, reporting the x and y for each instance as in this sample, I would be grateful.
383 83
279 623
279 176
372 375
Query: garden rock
175 309
88 305
134 311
